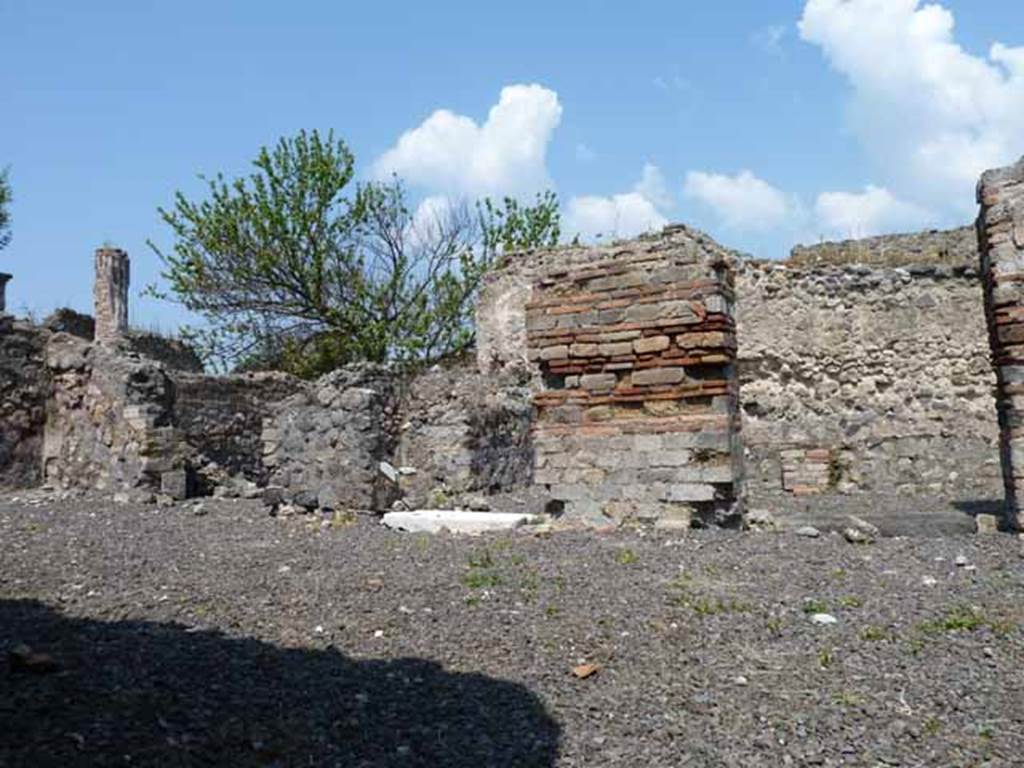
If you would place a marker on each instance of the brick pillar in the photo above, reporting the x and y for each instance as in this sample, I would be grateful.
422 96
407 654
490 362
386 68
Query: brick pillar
1001 248
4 279
110 294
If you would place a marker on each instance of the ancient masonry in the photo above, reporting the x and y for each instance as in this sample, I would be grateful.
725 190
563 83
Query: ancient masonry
864 369
638 415
1001 237
110 294
665 380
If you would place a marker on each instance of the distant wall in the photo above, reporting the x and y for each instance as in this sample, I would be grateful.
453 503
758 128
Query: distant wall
950 248
173 353
867 379
24 390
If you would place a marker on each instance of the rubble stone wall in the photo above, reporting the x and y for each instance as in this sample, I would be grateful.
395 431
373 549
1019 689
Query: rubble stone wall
950 248
867 379
109 423
1001 236
464 434
323 445
221 418
24 390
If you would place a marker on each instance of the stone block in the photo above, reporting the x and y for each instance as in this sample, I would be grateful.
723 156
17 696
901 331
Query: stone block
650 344
454 521
615 349
657 377
597 382
690 492
559 352
583 350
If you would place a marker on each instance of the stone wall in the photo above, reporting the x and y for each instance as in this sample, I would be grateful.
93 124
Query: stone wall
24 390
324 444
464 435
950 248
631 349
867 379
220 419
175 354
1001 235
110 423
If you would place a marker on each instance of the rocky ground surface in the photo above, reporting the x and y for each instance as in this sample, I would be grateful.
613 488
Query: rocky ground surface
217 635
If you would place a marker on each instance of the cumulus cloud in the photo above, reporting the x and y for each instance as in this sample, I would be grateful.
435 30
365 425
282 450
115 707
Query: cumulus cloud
505 155
930 114
863 214
742 202
623 215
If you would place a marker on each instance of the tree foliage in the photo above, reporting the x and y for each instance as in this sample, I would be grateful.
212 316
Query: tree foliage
296 267
5 216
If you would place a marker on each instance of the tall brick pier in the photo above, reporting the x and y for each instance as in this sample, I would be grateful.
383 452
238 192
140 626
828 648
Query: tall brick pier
110 294
1001 245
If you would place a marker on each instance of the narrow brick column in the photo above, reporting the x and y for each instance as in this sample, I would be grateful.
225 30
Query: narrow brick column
4 279
1001 247
110 294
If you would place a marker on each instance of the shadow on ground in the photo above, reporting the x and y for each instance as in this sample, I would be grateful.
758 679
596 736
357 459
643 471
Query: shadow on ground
141 693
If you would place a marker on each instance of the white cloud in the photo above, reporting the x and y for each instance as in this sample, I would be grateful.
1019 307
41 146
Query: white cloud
623 215
743 201
430 220
863 214
652 186
931 115
506 155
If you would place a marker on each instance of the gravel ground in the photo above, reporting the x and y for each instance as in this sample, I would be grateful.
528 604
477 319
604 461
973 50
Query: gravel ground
234 638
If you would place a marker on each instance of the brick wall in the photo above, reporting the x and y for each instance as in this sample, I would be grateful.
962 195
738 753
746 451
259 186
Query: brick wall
1001 235
637 397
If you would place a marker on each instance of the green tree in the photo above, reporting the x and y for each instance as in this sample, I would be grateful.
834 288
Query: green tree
5 216
297 268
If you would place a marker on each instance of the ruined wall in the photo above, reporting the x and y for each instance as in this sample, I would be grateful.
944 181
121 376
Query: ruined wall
936 247
631 350
109 423
324 444
176 355
464 434
1001 235
24 389
220 419
867 379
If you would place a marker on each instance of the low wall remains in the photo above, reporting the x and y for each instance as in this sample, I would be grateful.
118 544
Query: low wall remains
662 380
857 378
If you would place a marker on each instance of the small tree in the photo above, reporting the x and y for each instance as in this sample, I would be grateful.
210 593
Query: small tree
5 216
289 272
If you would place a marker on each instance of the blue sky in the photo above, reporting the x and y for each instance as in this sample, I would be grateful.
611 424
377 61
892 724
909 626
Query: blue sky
763 122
